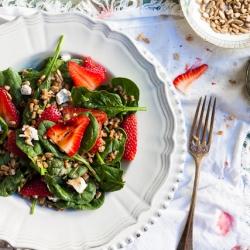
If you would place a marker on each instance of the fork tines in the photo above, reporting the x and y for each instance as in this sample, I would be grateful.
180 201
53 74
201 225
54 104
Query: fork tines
200 137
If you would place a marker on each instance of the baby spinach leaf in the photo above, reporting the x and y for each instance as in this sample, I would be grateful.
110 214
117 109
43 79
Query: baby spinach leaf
110 103
56 167
10 183
111 145
78 171
87 195
3 129
111 178
92 205
57 190
11 78
5 158
50 67
90 135
33 76
129 88
36 150
67 194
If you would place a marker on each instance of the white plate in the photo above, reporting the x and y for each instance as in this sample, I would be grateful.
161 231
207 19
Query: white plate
203 29
161 140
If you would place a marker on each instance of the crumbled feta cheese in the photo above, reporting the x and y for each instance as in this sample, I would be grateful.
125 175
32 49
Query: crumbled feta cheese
78 184
30 134
25 89
63 96
65 57
54 199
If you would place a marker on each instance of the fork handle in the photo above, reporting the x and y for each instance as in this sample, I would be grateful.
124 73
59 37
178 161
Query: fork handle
187 235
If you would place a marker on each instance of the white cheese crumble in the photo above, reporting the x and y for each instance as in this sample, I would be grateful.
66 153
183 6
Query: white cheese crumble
63 96
25 89
30 134
54 199
78 184
65 57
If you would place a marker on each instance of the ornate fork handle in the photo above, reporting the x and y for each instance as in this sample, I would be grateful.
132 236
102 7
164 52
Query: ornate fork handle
199 145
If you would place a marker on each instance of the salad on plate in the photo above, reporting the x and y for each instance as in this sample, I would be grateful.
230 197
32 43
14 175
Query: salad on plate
63 133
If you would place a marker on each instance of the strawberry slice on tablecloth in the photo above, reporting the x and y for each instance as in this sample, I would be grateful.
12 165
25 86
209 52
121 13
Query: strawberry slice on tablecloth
68 135
35 187
8 110
89 75
72 112
129 124
183 81
51 113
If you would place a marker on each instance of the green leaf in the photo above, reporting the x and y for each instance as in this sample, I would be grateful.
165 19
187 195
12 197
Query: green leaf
10 183
111 145
110 103
56 167
32 209
67 194
129 88
34 151
11 78
111 178
5 158
80 170
92 205
3 129
33 76
90 135
50 67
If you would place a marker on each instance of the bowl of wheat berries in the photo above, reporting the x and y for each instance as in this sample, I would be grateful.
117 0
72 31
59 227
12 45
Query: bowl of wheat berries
225 23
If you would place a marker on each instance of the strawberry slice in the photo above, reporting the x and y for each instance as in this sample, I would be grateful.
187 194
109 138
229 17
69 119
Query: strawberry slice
100 117
71 111
88 62
8 110
88 75
129 124
35 187
51 113
68 135
12 147
183 81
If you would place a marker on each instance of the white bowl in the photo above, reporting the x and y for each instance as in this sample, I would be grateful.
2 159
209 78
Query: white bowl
203 29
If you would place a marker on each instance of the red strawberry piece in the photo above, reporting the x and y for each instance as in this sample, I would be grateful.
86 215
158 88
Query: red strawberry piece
99 141
68 135
88 63
35 187
89 76
129 124
8 110
71 111
183 81
12 147
51 113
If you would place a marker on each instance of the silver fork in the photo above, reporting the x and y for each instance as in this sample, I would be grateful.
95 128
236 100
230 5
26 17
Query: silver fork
199 145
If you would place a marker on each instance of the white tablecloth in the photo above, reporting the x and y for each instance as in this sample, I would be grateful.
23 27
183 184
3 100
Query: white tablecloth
222 217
